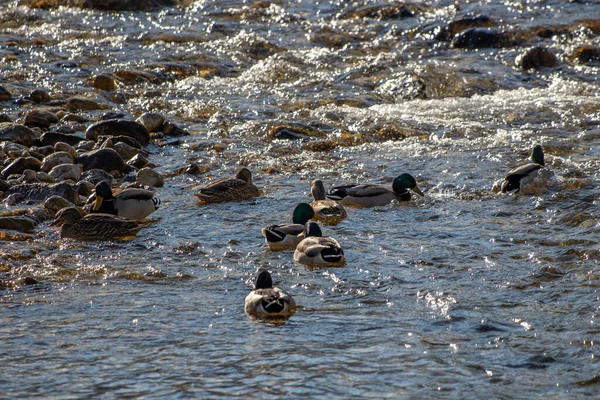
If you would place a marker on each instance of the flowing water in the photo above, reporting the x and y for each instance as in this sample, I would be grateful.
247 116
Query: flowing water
465 293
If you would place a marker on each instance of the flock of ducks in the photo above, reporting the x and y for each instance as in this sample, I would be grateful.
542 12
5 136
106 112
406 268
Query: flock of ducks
111 216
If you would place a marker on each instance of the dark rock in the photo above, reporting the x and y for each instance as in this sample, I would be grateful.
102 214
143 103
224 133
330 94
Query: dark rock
289 134
4 186
55 203
47 115
586 54
153 122
20 165
536 58
105 5
17 134
4 94
116 127
52 137
78 103
481 21
170 129
104 159
33 120
5 118
21 224
112 115
477 38
39 96
44 150
138 161
41 191
96 175
383 12
104 82
120 139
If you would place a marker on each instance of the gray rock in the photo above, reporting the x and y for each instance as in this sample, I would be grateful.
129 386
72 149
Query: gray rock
41 191
67 148
79 103
65 172
17 134
97 175
54 159
152 121
55 203
125 151
21 224
149 177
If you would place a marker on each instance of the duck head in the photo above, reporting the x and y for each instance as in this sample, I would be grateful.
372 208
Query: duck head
103 191
67 215
263 280
302 213
404 182
537 154
317 190
312 229
245 175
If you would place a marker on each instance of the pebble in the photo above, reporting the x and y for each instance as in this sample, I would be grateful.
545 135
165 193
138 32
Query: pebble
171 129
138 161
104 82
477 38
44 177
21 164
125 151
536 58
79 103
39 96
149 177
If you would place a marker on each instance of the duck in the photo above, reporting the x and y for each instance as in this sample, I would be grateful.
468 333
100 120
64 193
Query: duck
528 178
368 195
266 301
238 188
287 236
134 204
329 211
75 224
316 250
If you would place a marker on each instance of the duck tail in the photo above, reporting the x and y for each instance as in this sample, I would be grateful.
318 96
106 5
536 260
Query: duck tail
156 202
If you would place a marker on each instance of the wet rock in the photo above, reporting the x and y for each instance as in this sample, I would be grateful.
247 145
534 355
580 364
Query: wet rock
84 188
4 118
96 175
65 172
39 96
153 122
21 224
119 97
4 186
17 134
85 145
149 177
481 21
104 159
116 127
67 130
13 199
52 137
134 76
112 115
21 164
536 58
383 12
55 203
54 159
34 120
79 103
41 191
401 87
195 169
171 129
4 94
138 161
44 177
586 54
289 134
71 117
47 115
104 82
125 151
477 38
29 176
43 150
67 148
112 140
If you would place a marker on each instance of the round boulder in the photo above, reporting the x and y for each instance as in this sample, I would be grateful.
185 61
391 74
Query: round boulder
118 127
104 159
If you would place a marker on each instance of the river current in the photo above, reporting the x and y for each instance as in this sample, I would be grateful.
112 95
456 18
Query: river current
465 293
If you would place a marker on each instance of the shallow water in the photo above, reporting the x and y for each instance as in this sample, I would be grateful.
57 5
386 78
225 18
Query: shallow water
461 294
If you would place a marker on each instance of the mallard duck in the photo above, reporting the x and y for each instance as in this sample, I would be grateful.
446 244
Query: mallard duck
129 203
287 236
367 195
237 188
266 301
316 250
76 225
328 211
528 178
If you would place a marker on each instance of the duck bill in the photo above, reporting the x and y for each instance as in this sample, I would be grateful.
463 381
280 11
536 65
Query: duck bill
418 191
98 203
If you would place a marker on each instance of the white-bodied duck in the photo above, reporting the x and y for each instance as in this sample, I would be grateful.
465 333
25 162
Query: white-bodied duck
266 301
287 236
329 211
315 250
367 195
